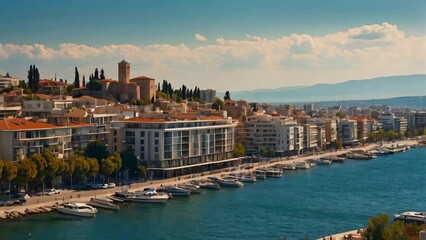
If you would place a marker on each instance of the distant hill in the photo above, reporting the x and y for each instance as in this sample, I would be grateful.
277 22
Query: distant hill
375 88
418 102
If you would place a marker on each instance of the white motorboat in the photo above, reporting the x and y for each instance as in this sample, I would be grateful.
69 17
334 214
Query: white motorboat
324 161
148 195
208 185
230 183
259 174
287 166
77 209
418 217
273 172
193 188
302 165
174 191
248 178
105 203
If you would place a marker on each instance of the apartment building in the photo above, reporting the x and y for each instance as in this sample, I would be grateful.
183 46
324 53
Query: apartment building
179 145
392 123
417 119
347 131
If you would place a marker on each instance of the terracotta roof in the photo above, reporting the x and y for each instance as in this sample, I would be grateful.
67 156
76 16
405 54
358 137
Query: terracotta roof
122 108
107 80
80 124
22 124
145 120
211 118
185 116
142 78
43 96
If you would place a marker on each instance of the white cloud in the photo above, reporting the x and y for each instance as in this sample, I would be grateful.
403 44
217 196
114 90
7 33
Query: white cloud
200 37
297 59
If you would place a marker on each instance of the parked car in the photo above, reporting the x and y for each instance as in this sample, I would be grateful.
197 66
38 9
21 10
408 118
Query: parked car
52 191
97 186
105 186
111 185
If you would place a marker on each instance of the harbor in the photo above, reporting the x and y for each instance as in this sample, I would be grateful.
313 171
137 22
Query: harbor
283 205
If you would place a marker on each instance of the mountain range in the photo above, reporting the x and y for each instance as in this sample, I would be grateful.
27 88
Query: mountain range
375 88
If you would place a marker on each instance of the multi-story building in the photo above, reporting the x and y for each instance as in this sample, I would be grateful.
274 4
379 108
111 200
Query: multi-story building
283 136
51 87
310 136
20 138
391 123
417 120
8 81
362 128
208 95
330 130
177 147
347 131
83 133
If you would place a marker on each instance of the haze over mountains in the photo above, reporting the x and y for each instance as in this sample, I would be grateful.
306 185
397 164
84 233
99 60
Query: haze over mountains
375 88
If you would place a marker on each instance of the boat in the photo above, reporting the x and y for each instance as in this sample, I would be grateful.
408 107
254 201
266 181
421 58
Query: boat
303 165
287 166
336 159
77 209
273 172
174 191
105 203
230 183
324 161
312 162
248 178
357 156
193 188
259 174
148 195
208 185
408 217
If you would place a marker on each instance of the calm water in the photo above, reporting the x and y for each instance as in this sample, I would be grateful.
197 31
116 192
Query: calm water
314 202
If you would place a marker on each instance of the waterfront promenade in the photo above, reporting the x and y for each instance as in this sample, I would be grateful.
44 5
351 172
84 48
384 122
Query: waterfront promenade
84 196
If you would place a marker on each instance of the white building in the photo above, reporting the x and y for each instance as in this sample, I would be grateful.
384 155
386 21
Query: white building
175 147
8 81
310 136
391 123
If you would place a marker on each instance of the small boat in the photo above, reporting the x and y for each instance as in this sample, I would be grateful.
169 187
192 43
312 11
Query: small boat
408 217
273 172
324 161
248 178
148 195
209 185
105 203
174 191
287 166
312 162
336 159
259 174
230 183
193 188
77 209
303 165
115 199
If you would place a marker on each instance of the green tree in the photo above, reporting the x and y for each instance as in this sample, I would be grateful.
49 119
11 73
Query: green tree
217 104
84 81
33 78
27 171
82 167
376 228
96 74
94 85
1 169
116 159
107 167
263 152
102 76
227 96
340 115
68 168
9 171
336 144
77 78
96 149
239 150
142 171
130 162
94 167
53 164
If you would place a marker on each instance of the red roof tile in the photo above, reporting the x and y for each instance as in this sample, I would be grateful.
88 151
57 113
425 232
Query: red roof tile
22 124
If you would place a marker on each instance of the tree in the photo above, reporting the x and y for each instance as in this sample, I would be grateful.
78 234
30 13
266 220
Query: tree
227 96
53 164
84 81
376 228
102 74
107 167
116 159
82 167
96 149
96 73
1 169
239 150
68 168
94 85
130 162
336 144
41 164
27 171
94 167
217 104
33 78
10 171
379 227
340 115
77 78
142 170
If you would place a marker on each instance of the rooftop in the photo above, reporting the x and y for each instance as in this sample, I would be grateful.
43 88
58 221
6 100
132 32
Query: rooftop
22 124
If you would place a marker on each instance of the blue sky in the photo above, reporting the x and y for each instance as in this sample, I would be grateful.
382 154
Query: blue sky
236 40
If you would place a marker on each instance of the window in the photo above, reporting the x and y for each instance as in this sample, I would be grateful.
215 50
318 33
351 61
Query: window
142 134
156 149
142 142
156 134
156 142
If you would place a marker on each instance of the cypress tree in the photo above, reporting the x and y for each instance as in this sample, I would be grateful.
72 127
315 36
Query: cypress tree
96 73
76 79
102 74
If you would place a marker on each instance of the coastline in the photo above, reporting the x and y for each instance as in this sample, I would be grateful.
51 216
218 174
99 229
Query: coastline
41 204
342 235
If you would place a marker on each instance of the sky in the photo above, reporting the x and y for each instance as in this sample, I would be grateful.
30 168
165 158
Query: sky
222 44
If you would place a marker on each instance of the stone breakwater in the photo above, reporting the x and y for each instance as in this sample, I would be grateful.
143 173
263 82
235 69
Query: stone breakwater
22 213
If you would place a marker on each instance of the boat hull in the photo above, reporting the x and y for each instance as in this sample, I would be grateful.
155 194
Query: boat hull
77 214
104 206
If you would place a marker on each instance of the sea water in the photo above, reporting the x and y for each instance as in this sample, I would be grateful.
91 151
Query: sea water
314 202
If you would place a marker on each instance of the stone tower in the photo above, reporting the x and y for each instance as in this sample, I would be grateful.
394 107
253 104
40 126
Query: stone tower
123 79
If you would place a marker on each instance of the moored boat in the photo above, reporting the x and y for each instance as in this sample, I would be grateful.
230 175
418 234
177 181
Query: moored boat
230 183
302 165
77 209
248 178
105 203
207 184
408 217
193 188
174 191
259 174
273 172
